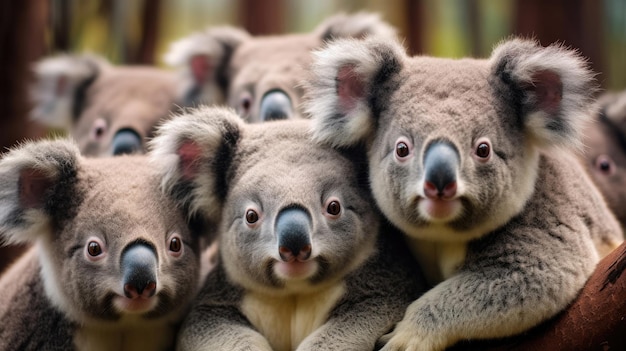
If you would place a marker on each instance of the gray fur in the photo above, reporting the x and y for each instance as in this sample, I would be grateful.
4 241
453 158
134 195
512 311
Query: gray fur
57 200
91 100
243 69
525 227
360 287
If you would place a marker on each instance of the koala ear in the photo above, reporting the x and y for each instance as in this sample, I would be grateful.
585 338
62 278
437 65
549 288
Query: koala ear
37 187
359 25
349 84
60 86
551 87
193 151
203 59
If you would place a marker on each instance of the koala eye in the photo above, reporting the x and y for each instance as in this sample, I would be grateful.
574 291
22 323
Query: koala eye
94 249
483 150
245 102
99 129
333 207
403 149
605 164
252 216
175 244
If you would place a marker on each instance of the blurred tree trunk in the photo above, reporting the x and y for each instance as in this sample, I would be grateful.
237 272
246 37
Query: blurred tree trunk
576 23
415 24
22 25
150 32
262 17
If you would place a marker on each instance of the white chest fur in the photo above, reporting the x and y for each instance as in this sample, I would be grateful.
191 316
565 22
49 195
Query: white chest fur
438 260
286 320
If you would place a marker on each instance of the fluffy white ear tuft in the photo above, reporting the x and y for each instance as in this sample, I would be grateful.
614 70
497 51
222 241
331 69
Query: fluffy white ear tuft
59 82
345 90
29 177
193 151
553 87
202 59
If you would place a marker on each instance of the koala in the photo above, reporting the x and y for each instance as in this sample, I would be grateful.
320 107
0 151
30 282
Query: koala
107 109
114 262
605 152
473 159
301 265
258 76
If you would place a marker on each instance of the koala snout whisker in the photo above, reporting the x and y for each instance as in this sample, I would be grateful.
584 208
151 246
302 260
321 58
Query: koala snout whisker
139 271
293 234
441 162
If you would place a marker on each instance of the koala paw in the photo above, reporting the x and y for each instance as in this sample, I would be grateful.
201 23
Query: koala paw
407 338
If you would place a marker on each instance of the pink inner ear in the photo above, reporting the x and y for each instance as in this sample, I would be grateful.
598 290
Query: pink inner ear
33 184
200 68
350 88
548 90
189 153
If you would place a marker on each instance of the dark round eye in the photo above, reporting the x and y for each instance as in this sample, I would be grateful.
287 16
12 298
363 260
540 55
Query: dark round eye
99 128
94 249
402 149
245 103
175 244
252 216
333 208
605 164
483 150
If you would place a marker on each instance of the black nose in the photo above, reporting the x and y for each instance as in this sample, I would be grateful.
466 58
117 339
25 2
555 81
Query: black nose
126 141
275 105
293 231
441 161
139 271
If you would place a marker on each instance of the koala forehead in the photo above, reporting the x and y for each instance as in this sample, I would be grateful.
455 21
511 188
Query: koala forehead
122 203
263 64
123 97
280 159
452 99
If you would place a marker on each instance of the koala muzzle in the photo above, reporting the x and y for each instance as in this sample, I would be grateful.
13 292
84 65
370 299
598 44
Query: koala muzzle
139 271
293 232
441 161
275 105
126 141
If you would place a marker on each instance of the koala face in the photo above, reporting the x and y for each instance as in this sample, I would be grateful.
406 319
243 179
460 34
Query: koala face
605 151
453 144
108 110
259 76
293 216
112 247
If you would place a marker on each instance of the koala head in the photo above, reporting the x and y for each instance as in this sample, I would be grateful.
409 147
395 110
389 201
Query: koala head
453 144
112 247
605 151
108 110
259 76
294 215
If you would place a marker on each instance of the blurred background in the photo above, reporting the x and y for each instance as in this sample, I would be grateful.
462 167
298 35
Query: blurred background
139 32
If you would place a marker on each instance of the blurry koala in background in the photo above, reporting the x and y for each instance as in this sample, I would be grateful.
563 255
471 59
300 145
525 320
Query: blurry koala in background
605 151
108 109
259 76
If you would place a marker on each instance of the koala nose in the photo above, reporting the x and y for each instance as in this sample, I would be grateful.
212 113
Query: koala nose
275 105
139 267
293 227
441 161
126 141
